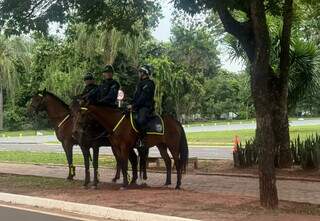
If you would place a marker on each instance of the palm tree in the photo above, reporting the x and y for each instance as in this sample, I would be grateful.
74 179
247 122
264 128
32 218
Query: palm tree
304 74
304 78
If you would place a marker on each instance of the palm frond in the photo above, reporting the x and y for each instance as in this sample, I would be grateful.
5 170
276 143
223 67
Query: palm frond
304 71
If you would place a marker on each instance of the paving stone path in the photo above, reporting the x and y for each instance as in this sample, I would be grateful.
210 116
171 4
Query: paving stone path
291 190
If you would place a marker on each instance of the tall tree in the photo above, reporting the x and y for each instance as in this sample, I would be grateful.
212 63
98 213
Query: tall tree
35 15
194 46
12 52
269 87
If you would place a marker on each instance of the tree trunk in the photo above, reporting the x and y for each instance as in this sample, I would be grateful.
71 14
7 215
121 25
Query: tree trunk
263 81
265 104
1 108
255 38
283 152
283 137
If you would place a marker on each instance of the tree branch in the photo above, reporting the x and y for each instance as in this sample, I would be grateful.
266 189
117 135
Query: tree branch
261 31
285 40
34 8
241 30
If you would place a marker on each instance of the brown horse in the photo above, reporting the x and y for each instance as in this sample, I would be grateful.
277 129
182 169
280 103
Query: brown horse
123 138
60 116
93 133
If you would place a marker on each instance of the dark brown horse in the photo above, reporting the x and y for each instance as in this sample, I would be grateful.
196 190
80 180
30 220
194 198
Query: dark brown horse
123 138
60 116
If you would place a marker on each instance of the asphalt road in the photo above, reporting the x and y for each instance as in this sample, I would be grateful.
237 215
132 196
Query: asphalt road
36 143
14 214
239 126
200 152
245 126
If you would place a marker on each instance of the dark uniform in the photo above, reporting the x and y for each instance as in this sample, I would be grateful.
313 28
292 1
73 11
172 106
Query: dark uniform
106 93
89 87
143 101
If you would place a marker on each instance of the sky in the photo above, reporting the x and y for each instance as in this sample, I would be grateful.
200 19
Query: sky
162 33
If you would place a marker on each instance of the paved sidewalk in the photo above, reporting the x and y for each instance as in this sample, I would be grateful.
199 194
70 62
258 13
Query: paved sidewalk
297 191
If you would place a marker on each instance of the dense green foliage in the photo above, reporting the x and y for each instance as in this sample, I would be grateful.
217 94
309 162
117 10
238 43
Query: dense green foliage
190 81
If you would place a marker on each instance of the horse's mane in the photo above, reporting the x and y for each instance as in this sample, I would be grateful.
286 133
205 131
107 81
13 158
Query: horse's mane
57 99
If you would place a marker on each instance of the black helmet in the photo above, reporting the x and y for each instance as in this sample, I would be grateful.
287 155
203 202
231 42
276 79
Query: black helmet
108 68
88 76
145 69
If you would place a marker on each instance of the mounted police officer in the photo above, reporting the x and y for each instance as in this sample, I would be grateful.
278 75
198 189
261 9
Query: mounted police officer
143 102
90 84
107 92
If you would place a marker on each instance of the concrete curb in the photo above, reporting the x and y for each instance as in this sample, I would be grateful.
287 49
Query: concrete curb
88 210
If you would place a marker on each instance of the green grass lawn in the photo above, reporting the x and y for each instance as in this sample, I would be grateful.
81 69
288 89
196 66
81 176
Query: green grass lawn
24 133
225 138
49 158
210 138
211 122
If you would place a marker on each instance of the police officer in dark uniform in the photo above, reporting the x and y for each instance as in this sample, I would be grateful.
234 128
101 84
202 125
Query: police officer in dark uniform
90 85
143 102
107 92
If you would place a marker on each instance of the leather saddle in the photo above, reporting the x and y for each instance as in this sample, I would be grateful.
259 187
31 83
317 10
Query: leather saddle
155 125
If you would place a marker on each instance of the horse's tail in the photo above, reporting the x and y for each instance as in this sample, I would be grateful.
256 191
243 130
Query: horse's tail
184 150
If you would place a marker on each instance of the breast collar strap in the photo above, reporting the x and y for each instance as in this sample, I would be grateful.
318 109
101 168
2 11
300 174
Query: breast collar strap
64 120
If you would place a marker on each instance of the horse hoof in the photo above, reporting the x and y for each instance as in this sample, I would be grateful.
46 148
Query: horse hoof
133 182
95 187
70 178
167 184
114 180
178 188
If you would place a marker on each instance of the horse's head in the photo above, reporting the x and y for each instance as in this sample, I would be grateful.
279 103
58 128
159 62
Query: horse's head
38 102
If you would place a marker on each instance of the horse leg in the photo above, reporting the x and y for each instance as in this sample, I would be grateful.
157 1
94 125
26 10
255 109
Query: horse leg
86 155
167 160
124 165
179 171
134 164
68 149
118 166
143 157
95 166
